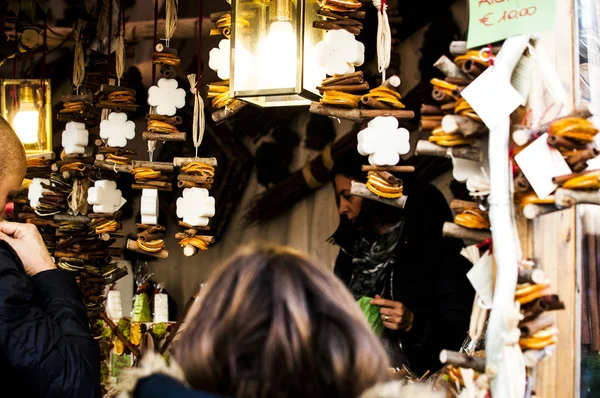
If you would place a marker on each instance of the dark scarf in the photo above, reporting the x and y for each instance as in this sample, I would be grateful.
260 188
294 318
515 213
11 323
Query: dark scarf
371 258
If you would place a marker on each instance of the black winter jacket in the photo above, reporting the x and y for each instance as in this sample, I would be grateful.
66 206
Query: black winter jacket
429 278
46 349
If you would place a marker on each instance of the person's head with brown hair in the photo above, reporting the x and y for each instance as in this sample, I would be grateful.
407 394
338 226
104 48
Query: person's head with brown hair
13 164
274 324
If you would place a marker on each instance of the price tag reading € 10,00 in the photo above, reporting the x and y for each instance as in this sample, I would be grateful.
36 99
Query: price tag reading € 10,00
494 20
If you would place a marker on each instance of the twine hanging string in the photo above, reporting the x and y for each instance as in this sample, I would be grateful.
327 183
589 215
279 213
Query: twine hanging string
384 37
120 50
199 124
171 20
152 144
78 61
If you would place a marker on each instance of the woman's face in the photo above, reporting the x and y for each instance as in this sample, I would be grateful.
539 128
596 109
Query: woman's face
349 205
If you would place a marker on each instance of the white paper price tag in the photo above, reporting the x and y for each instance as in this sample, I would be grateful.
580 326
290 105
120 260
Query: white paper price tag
492 97
540 162
480 277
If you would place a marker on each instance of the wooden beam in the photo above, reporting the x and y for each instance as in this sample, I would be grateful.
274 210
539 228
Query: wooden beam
187 28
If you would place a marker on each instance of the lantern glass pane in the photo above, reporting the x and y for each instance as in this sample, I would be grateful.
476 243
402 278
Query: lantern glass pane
26 105
267 52
313 73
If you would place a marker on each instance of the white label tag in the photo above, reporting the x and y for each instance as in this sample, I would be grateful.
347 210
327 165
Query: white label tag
480 277
540 162
492 97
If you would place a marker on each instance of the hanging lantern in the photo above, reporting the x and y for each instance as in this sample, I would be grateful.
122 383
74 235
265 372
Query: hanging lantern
26 105
273 52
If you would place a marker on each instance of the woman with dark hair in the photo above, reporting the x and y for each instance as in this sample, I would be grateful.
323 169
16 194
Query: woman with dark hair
399 258
272 324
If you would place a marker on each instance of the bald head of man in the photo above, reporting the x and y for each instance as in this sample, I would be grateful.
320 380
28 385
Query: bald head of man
13 164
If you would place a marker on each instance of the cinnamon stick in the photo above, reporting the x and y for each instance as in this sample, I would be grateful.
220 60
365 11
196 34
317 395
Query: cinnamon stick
582 156
349 88
431 110
564 178
458 81
550 302
441 96
193 178
339 78
472 68
190 184
145 236
352 80
166 188
153 228
373 103
533 326
448 107
185 225
426 124
172 120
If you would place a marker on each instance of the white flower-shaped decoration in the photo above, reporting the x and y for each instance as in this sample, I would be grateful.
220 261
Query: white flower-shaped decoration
383 141
105 197
149 206
220 57
166 97
196 206
75 138
36 190
117 129
340 52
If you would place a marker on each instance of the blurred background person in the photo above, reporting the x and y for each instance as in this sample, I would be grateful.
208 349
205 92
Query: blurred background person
399 258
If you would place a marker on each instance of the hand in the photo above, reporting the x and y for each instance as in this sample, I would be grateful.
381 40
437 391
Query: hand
27 242
394 314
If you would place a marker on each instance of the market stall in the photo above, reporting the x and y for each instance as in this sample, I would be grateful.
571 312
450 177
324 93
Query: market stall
160 139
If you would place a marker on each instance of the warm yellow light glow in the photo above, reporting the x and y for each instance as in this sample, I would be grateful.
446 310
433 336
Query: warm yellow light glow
26 123
277 57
